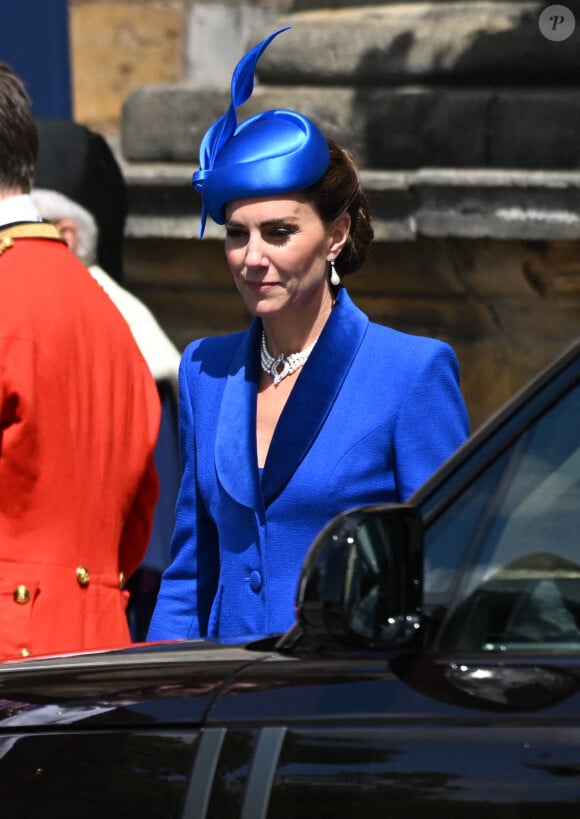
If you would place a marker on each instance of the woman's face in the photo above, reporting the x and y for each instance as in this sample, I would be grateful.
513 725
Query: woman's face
278 248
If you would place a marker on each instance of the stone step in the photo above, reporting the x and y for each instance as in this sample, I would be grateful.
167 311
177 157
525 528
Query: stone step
462 116
387 128
458 83
428 202
406 85
408 42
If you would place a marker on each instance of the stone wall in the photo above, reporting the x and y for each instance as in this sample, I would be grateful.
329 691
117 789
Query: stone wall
119 45
507 307
483 250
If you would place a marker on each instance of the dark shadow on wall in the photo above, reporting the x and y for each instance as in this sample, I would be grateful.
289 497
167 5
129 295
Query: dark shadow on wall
510 99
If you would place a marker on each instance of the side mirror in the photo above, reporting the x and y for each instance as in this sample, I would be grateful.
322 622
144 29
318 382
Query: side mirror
361 582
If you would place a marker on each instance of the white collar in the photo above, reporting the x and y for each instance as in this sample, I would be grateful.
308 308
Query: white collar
18 208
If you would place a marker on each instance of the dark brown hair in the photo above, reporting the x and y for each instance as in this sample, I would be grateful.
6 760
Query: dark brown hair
18 135
340 191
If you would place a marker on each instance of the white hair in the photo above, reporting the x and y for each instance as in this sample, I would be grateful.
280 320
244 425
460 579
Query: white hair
54 206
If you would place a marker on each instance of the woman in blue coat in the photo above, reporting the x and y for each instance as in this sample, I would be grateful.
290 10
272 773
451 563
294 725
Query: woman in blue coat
311 411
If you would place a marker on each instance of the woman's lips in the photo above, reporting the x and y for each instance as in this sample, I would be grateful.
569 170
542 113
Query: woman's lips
261 287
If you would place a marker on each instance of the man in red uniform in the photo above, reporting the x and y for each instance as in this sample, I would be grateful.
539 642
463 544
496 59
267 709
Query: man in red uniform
79 417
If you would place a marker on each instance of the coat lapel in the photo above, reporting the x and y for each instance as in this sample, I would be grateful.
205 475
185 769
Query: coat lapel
314 394
235 446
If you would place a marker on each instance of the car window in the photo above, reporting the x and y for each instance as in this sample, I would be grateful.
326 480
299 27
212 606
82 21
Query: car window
514 533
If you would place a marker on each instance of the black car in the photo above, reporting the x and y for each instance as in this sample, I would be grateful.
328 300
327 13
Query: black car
434 666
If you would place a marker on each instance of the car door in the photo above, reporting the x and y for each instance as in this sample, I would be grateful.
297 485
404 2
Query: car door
501 619
325 739
321 737
111 734
484 718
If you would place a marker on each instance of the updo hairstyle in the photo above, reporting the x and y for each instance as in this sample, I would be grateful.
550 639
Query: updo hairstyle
340 191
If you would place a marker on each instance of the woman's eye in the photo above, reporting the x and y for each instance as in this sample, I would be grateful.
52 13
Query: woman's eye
282 232
271 234
234 233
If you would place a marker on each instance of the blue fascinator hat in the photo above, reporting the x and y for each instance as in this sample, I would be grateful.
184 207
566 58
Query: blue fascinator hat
277 151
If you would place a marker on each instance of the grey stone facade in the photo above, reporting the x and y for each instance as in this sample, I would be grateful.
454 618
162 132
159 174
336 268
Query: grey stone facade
465 121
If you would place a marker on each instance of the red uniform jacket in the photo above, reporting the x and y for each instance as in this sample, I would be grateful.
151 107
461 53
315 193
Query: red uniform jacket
79 416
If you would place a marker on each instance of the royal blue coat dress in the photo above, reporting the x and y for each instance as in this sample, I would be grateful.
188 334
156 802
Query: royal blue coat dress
372 414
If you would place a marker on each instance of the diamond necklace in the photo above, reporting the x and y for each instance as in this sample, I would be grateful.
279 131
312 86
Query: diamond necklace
282 365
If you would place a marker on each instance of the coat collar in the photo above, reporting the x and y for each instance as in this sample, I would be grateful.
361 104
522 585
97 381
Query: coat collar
236 446
304 414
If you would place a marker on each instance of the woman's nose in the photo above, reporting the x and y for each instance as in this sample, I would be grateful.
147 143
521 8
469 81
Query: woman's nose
254 250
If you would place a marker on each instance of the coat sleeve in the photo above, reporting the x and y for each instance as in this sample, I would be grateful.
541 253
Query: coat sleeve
432 421
189 584
137 528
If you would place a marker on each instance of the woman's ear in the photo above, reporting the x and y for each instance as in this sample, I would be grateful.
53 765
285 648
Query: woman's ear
338 235
68 230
